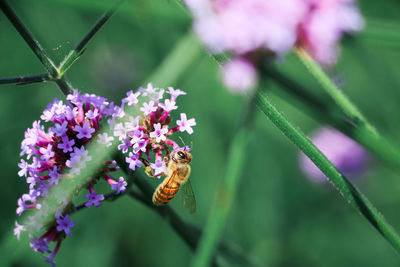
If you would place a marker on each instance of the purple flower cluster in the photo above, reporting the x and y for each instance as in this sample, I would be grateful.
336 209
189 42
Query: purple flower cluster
348 156
60 152
52 154
253 29
150 133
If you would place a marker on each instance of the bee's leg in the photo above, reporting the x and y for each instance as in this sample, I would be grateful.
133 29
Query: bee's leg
148 170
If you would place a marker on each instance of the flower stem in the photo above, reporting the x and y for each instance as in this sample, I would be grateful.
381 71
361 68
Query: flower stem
79 49
384 148
26 79
29 39
36 47
226 192
338 96
346 189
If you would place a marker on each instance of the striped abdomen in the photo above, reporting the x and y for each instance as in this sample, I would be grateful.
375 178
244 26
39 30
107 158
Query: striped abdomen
166 191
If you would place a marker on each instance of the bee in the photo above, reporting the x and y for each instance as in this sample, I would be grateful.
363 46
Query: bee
178 171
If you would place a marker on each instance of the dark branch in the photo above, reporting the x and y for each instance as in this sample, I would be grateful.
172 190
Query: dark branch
29 39
79 49
26 79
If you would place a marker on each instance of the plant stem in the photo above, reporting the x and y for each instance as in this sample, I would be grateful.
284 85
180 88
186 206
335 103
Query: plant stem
338 96
37 49
347 190
79 49
26 79
29 39
174 65
226 192
384 148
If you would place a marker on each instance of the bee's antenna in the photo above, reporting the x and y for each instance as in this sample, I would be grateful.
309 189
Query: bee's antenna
182 140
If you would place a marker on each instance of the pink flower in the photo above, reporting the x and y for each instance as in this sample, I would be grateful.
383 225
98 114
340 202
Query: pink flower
348 156
324 25
239 75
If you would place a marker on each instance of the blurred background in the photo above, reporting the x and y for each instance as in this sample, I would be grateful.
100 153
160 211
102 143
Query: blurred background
280 217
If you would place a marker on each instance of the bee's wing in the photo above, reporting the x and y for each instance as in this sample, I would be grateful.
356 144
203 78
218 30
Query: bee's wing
189 201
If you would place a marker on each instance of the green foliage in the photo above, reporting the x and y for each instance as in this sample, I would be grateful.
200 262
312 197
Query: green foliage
278 217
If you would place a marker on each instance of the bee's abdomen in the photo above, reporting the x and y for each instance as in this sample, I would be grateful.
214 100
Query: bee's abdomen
164 193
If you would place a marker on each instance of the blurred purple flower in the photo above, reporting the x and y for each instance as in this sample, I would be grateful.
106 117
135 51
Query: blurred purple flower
348 156
239 75
255 29
324 25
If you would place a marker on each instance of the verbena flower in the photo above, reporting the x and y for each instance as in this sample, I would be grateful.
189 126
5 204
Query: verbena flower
147 138
348 156
59 153
251 30
55 153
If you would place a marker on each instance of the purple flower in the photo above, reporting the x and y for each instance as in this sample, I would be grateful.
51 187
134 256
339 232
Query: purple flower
133 161
159 133
94 199
64 224
132 98
22 206
84 131
148 108
104 139
175 92
66 144
325 24
60 129
348 156
185 124
92 114
24 168
47 152
239 75
168 105
159 167
18 229
120 186
40 245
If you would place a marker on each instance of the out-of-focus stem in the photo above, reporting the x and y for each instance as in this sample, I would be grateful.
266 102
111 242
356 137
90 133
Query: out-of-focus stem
383 148
226 192
346 189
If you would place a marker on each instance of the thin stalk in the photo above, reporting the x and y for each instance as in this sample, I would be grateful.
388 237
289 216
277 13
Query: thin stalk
29 39
188 232
26 79
175 64
338 96
383 148
37 49
352 195
79 49
226 192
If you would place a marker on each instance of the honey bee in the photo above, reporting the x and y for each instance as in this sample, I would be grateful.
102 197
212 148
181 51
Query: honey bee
178 171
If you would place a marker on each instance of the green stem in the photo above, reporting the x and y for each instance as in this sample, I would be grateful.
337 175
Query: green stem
384 148
79 49
226 193
175 64
29 39
26 79
346 189
37 49
338 96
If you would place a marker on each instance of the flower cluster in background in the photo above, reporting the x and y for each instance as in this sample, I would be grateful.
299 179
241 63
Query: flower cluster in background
59 152
150 132
348 156
253 29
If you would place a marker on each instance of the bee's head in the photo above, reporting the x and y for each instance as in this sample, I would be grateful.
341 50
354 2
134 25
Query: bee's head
181 156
